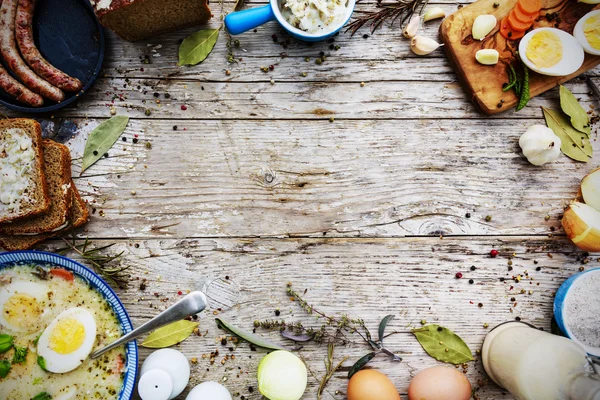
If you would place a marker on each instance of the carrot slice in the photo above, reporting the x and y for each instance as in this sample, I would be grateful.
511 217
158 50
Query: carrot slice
517 25
519 9
62 273
522 16
508 32
530 6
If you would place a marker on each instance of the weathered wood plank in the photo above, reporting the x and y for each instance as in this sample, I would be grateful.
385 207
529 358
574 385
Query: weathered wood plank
366 278
282 178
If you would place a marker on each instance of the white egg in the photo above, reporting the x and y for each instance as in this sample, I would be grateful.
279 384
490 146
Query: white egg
209 391
590 1
572 54
579 34
22 305
68 340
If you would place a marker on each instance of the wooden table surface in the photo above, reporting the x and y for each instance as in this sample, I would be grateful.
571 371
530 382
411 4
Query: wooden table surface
371 197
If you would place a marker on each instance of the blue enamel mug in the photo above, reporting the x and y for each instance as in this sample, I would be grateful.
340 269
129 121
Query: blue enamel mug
245 20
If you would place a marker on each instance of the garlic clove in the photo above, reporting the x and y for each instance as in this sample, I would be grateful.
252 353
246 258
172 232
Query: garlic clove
422 45
411 29
434 13
582 225
590 189
483 25
487 56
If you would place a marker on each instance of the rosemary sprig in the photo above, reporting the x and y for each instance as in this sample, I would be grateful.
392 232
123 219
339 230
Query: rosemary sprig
100 262
403 9
330 369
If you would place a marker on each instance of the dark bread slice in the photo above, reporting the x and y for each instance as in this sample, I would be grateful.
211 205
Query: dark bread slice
57 159
140 19
36 199
80 215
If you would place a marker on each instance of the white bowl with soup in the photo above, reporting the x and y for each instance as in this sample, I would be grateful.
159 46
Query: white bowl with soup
57 311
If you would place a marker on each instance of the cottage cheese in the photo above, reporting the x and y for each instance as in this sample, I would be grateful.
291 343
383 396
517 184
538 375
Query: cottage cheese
315 16
17 159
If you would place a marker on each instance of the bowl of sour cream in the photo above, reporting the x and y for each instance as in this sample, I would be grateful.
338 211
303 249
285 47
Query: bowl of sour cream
307 20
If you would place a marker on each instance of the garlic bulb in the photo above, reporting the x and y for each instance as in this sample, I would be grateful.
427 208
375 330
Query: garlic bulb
487 56
434 13
483 25
411 29
422 45
540 145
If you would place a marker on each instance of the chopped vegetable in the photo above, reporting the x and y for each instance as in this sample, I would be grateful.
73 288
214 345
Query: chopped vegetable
4 368
524 96
508 32
6 342
19 355
42 396
62 273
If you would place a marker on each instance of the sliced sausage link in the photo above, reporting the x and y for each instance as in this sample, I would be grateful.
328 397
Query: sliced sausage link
31 54
10 53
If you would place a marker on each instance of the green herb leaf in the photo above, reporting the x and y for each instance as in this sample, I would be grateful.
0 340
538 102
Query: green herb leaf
574 145
248 337
383 325
41 362
4 368
42 396
170 334
38 380
6 342
195 48
37 339
361 363
443 344
19 355
102 139
571 107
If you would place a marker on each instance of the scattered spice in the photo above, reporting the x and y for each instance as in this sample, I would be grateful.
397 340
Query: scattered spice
493 253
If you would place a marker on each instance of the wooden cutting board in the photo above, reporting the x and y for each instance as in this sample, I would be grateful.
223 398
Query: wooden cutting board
484 83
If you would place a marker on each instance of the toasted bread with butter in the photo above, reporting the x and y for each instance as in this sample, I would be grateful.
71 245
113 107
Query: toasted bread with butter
57 160
23 188
80 215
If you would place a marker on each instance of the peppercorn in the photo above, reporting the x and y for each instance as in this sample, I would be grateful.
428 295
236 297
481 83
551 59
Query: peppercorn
95 152
167 96
471 281
480 305
227 72
488 218
236 43
277 313
458 275
331 119
135 140
365 36
124 139
105 155
183 107
147 112
538 269
271 67
468 215
518 318
223 341
493 253
318 61
473 268
174 127
496 5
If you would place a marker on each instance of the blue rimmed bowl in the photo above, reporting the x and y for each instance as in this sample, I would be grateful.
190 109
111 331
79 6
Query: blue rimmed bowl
10 259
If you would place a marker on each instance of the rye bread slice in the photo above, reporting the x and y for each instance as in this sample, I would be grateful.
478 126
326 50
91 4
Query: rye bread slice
23 189
57 159
80 215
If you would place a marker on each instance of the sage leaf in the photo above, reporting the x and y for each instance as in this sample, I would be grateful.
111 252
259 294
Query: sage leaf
443 344
573 142
248 337
297 338
195 48
383 325
170 334
6 342
4 368
571 107
102 139
361 363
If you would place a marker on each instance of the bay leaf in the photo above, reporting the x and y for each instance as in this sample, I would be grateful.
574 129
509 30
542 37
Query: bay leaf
195 48
248 336
102 139
383 324
443 344
571 107
361 363
573 143
170 335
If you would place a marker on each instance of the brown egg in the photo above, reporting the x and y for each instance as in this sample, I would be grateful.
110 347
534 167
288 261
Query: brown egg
439 383
369 384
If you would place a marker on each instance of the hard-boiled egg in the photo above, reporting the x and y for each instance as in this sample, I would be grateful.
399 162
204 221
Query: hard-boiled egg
439 383
590 1
371 384
68 340
209 391
550 51
587 32
22 305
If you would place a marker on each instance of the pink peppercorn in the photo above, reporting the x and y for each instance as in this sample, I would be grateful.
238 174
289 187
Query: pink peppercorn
183 107
458 275
180 293
494 253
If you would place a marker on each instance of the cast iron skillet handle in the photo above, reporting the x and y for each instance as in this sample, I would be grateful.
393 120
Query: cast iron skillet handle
190 305
242 21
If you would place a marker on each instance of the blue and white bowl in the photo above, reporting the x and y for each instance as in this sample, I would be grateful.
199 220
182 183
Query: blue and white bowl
9 259
560 300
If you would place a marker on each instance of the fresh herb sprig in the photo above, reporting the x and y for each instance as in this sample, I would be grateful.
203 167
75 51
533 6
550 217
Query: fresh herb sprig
330 369
102 263
400 9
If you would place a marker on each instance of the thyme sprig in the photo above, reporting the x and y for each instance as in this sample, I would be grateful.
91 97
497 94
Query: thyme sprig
102 264
403 9
330 369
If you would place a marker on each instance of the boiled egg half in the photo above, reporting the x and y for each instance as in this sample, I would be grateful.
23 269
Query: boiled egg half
551 51
587 32
68 340
22 305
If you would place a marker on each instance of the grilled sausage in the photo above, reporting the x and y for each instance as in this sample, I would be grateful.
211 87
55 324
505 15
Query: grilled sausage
31 54
15 63
13 87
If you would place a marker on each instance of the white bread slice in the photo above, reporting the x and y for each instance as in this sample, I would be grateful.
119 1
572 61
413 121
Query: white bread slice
23 188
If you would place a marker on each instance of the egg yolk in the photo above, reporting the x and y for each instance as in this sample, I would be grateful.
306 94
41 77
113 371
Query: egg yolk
21 310
544 49
67 336
591 30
